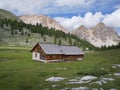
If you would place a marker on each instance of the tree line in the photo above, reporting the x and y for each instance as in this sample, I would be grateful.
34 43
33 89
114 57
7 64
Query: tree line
58 35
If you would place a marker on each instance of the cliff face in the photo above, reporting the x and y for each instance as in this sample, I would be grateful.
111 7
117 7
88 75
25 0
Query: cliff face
45 21
99 35
82 32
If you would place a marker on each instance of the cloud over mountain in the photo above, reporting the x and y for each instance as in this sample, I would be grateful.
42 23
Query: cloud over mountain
23 6
113 19
73 3
74 22
41 6
90 20
90 12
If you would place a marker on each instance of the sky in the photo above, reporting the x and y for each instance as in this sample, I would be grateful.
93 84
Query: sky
70 13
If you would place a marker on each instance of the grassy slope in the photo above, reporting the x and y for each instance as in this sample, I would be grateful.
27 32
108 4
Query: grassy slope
7 14
6 38
19 72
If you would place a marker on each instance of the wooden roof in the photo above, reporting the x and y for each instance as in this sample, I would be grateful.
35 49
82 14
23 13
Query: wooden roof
50 48
60 49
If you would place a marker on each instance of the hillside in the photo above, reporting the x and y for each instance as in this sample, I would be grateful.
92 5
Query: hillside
8 15
17 33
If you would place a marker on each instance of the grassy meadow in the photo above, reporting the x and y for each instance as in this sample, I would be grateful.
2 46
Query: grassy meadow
19 72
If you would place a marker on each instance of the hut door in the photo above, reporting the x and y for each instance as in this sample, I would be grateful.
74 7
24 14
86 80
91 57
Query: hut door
39 56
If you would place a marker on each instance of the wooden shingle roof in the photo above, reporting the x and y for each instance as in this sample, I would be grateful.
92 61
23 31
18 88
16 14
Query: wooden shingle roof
50 48
60 49
71 50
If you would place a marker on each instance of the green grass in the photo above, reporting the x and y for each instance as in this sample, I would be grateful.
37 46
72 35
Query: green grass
19 72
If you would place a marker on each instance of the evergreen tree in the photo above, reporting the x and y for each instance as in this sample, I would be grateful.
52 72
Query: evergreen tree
27 41
22 32
55 40
12 32
16 32
28 34
74 44
59 42
44 38
70 41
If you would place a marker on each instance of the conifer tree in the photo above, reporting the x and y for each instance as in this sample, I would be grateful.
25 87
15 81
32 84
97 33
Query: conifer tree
44 38
59 42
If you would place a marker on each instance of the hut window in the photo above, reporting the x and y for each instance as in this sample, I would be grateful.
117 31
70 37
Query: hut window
35 54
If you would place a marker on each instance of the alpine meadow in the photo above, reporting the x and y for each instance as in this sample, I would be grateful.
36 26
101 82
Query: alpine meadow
44 45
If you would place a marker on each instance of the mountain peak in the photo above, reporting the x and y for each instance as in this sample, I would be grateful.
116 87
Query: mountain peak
99 35
100 25
82 27
45 21
81 32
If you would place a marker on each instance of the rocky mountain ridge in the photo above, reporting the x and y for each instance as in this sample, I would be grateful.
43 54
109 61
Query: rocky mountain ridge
45 21
100 35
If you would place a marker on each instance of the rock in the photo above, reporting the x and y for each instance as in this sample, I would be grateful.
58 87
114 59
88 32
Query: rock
61 68
102 68
86 78
78 82
80 88
116 66
116 74
113 89
101 89
95 89
108 79
97 82
55 85
55 79
103 81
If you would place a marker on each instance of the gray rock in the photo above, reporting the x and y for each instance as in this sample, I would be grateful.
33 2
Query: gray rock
116 74
80 88
55 79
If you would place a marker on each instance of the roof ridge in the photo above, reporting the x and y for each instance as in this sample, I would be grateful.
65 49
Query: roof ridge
57 44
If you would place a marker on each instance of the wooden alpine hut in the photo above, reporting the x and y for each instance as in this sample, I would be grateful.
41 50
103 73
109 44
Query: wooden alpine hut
52 52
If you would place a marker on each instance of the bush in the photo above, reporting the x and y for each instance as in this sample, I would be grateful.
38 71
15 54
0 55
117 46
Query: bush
94 72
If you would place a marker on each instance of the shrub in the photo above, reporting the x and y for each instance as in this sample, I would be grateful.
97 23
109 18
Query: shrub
94 72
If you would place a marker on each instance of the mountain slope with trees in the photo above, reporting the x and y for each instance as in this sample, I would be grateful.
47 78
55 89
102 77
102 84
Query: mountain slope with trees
16 33
13 31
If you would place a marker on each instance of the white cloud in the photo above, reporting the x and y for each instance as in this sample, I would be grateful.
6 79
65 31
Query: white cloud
42 6
89 20
113 19
72 3
23 6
